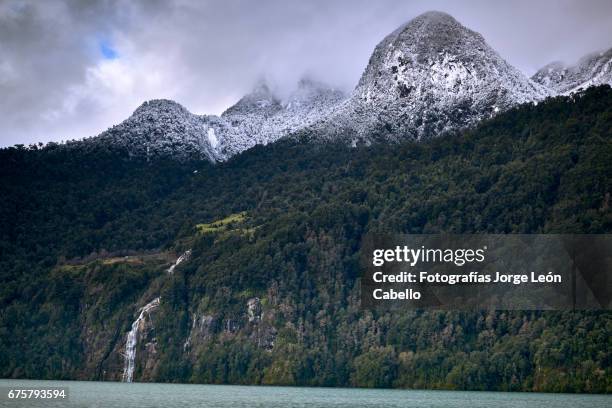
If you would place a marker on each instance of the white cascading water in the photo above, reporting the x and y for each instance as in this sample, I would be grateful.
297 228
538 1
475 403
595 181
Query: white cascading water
132 339
180 259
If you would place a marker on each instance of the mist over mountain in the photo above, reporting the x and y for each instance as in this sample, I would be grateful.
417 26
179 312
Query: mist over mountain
261 117
591 70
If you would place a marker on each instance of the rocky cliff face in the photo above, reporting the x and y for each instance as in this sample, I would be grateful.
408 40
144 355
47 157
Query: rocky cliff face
253 326
591 70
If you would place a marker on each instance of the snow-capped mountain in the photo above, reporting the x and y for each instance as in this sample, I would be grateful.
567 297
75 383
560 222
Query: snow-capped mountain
165 128
591 70
430 75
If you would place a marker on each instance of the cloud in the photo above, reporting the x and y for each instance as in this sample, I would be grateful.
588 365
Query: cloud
70 69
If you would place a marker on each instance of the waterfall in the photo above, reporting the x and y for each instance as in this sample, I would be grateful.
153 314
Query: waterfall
132 339
180 259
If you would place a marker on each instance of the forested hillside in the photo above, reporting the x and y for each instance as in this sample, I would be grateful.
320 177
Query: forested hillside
269 293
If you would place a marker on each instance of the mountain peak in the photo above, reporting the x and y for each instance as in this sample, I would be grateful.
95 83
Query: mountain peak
436 17
162 127
434 32
156 105
433 24
309 82
260 101
430 75
261 88
312 98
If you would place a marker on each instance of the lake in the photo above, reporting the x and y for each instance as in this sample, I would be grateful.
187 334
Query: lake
124 395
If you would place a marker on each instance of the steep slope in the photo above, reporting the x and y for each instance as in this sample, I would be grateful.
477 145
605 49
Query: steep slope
430 75
591 70
269 292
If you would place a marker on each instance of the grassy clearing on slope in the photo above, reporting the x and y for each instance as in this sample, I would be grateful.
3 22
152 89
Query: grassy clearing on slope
225 224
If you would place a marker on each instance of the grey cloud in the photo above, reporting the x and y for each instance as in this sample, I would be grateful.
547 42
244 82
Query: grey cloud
55 84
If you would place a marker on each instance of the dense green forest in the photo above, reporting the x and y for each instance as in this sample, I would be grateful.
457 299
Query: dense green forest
87 234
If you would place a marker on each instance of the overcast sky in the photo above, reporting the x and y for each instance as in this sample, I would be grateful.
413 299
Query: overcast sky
70 69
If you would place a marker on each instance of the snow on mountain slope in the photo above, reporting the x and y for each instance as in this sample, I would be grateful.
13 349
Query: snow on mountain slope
591 70
261 118
165 128
430 75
